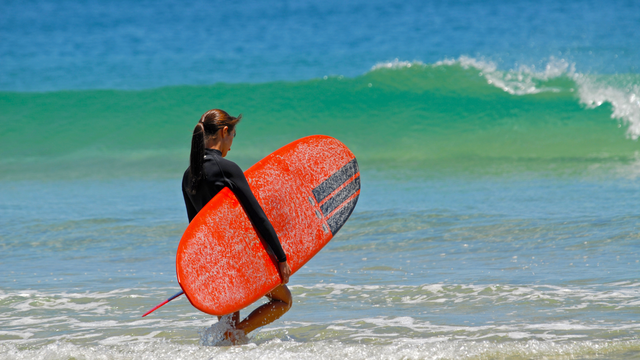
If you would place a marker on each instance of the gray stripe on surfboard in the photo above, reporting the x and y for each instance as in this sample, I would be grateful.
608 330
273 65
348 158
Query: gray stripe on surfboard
340 217
335 181
341 196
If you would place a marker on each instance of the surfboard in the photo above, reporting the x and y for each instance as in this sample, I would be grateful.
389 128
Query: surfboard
308 189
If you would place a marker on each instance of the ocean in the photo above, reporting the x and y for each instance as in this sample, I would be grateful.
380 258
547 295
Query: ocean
497 143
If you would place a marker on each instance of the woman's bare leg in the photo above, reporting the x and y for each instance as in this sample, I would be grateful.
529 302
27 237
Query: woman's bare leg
280 302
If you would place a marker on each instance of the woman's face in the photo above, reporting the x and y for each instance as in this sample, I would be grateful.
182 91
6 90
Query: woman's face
227 140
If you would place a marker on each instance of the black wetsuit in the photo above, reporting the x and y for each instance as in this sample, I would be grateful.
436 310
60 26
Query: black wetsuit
218 174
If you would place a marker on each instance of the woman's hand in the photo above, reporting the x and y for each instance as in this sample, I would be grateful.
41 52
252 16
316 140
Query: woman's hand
285 271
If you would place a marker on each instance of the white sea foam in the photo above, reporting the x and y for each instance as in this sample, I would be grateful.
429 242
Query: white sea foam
625 100
15 334
396 64
401 349
460 292
523 81
412 313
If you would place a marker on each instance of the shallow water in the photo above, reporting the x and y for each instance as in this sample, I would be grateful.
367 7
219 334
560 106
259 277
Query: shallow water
424 269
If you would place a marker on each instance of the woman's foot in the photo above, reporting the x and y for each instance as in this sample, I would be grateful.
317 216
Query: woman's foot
236 337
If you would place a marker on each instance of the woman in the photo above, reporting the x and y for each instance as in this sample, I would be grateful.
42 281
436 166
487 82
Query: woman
209 173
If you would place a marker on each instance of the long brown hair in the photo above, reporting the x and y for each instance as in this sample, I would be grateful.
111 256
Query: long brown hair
209 124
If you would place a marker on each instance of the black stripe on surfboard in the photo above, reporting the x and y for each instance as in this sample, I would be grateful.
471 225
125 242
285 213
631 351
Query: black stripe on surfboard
336 180
340 217
341 196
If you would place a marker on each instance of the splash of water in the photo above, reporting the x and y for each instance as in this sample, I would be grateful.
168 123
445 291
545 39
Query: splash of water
215 334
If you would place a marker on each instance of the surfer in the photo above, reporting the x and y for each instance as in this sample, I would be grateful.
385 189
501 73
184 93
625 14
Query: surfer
208 173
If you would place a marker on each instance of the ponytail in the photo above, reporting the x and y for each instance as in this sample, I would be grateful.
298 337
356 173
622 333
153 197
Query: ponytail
209 124
197 157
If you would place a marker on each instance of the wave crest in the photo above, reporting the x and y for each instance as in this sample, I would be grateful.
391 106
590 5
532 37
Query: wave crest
624 99
524 81
622 91
397 64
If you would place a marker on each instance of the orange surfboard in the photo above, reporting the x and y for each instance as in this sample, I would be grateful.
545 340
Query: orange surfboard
308 189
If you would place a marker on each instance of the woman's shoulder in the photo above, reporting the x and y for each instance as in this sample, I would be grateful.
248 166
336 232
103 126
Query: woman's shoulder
230 166
213 155
214 164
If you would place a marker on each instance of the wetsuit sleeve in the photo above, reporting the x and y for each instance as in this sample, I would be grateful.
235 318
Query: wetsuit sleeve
254 211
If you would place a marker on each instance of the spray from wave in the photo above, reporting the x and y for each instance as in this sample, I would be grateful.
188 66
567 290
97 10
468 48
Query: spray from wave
622 91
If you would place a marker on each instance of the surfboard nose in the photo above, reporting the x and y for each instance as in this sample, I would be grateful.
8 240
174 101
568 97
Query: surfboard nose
338 195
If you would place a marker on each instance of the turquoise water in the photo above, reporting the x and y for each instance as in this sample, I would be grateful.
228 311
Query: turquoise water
458 114
499 155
